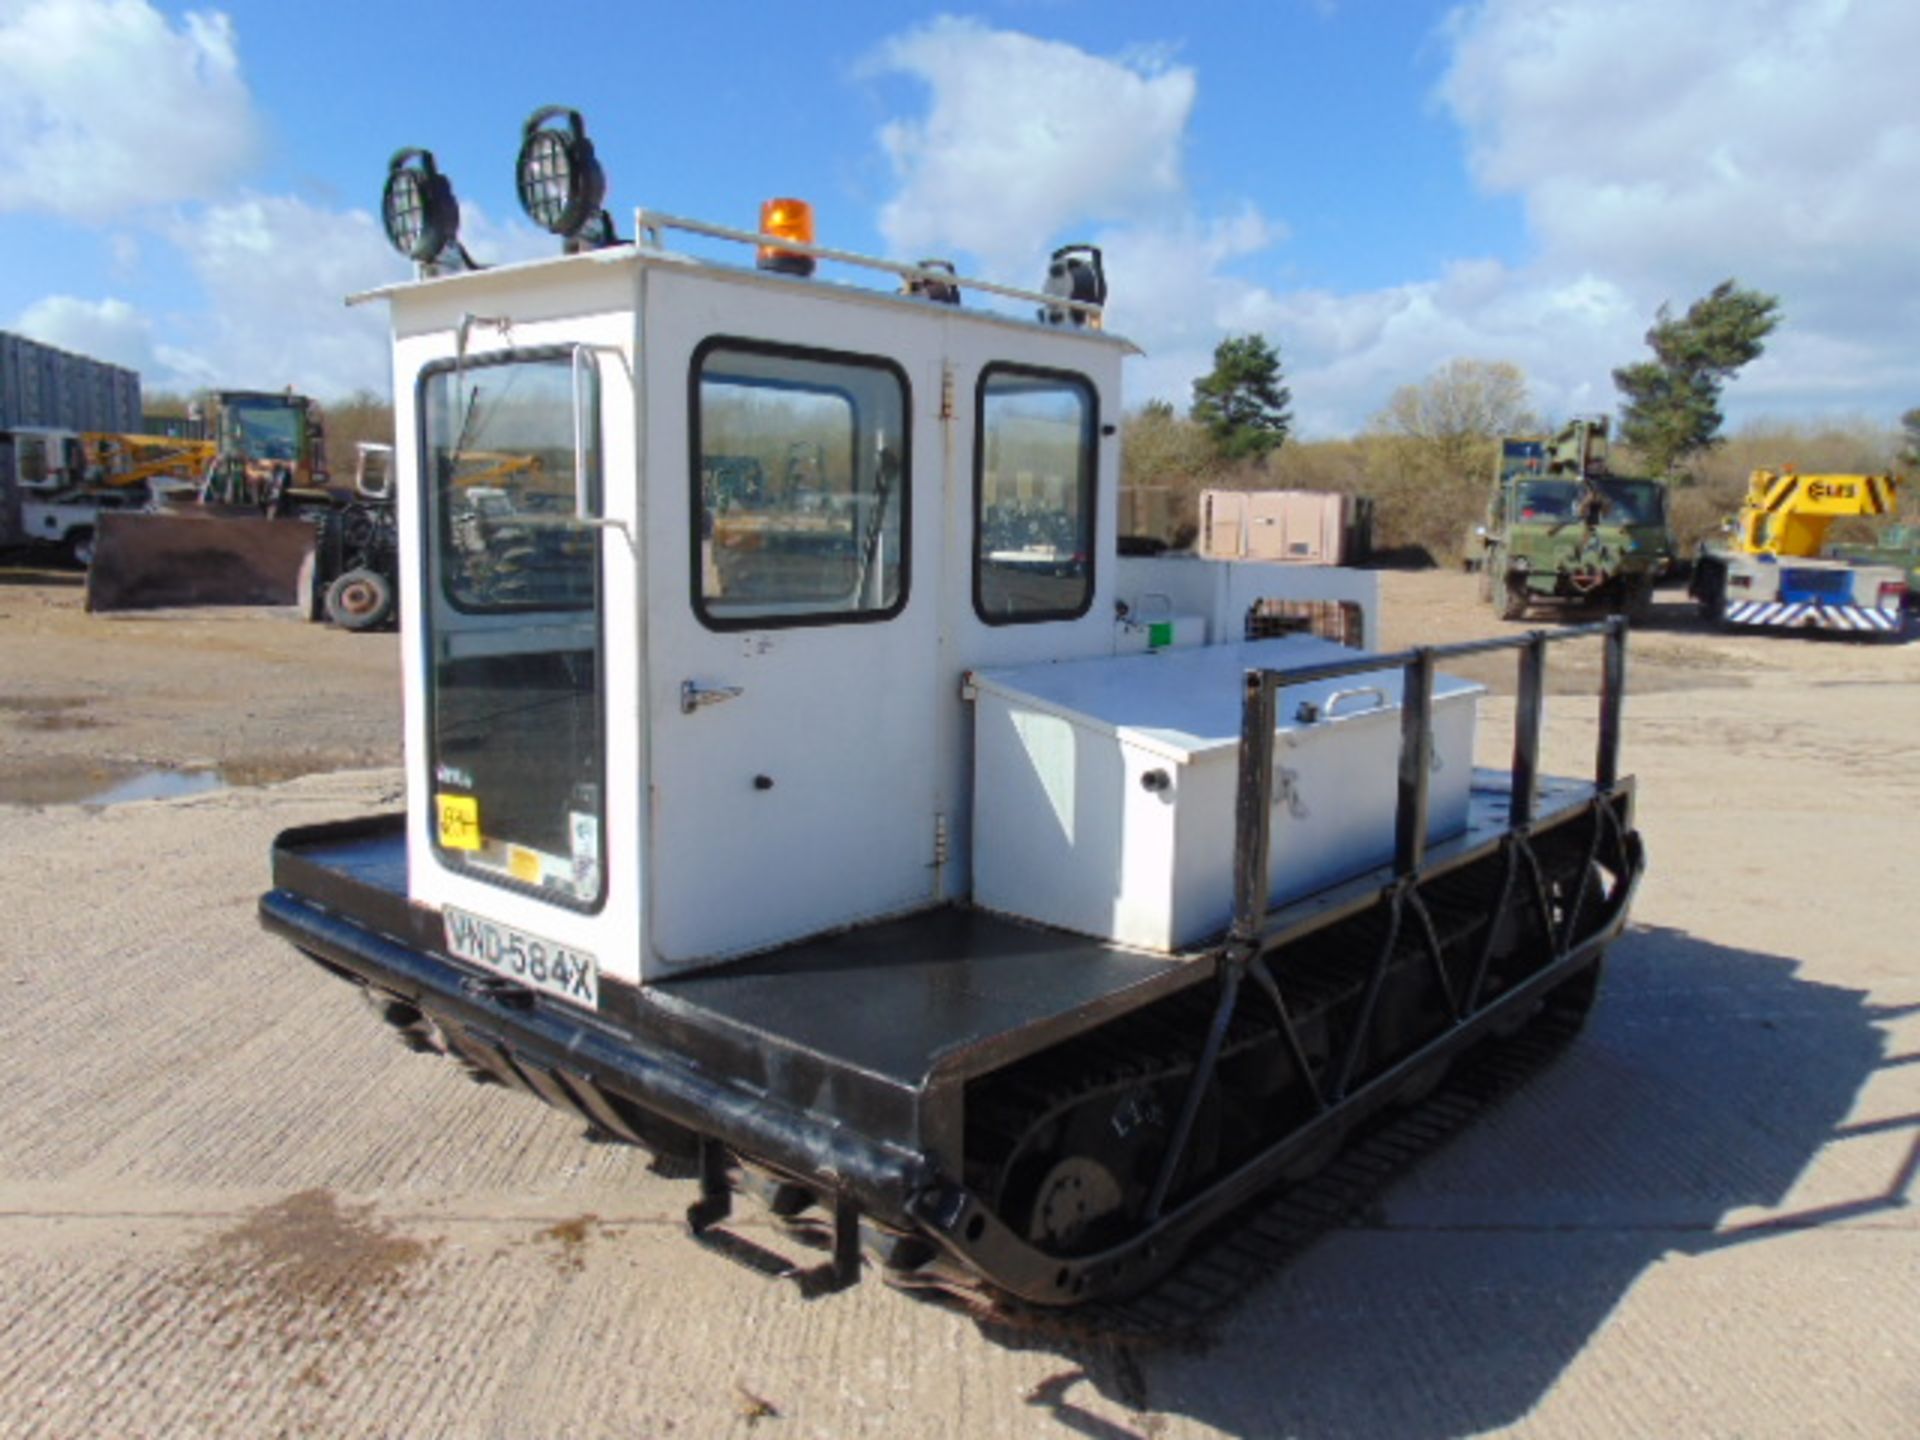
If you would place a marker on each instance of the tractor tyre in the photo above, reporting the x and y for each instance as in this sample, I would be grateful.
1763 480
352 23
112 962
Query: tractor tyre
360 600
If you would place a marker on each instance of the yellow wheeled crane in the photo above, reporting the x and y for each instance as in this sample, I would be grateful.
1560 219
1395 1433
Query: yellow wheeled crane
1772 574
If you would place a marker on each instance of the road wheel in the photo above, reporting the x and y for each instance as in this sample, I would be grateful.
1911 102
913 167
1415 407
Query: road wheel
1513 599
1710 590
360 600
1636 598
80 546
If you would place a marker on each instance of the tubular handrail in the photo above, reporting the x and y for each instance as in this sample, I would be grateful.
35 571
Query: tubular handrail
1253 807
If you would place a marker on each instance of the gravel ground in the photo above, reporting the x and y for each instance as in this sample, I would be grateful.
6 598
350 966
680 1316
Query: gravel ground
230 1205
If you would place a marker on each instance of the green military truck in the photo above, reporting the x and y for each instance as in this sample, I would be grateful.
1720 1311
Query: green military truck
1562 528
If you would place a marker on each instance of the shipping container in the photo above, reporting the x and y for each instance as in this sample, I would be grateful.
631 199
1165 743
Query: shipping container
1306 527
41 385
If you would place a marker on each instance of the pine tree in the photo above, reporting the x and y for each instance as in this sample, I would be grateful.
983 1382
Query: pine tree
1243 403
1672 402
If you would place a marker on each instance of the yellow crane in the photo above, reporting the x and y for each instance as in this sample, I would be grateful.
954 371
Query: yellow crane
1786 513
1771 573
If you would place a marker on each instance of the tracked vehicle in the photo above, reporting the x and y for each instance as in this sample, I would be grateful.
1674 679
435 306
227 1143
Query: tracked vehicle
865 833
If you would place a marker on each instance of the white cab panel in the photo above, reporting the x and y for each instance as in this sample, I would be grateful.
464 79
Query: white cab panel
795 795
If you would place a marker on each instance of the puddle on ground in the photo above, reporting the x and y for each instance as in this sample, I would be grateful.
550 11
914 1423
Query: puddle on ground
156 785
96 786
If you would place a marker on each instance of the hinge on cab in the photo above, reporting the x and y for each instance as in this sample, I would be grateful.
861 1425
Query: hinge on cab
946 392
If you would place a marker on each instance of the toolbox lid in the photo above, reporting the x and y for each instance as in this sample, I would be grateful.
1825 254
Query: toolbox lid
1185 703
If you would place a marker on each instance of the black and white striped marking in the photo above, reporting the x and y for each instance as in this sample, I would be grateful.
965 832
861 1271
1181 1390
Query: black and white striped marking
1823 617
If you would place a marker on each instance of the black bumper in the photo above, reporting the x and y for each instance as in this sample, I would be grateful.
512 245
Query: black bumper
597 1069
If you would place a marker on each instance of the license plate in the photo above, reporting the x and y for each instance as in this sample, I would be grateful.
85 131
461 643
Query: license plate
531 960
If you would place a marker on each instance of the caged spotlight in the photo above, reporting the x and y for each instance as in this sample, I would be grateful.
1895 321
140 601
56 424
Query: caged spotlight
560 182
938 281
1076 272
418 209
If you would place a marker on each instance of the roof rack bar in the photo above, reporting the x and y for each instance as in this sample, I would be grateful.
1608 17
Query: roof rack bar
648 223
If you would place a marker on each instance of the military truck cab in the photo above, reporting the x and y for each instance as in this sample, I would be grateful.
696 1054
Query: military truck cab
1562 528
799 783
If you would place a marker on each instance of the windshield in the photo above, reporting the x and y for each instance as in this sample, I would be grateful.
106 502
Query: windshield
1547 499
1634 502
1624 502
267 432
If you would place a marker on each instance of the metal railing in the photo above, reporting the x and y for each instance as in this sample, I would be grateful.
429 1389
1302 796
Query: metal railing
1253 809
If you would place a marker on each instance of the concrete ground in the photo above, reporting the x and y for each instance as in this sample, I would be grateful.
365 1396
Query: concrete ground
231 1205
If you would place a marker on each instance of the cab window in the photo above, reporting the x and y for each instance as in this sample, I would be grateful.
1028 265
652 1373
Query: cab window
801 486
1034 465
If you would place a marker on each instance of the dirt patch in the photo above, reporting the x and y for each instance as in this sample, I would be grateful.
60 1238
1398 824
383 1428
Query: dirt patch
308 1268
259 695
570 1238
48 712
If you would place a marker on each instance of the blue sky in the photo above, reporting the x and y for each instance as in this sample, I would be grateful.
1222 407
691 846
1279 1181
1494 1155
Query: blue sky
1378 187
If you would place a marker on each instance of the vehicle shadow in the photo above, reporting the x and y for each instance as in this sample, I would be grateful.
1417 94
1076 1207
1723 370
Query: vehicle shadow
1706 1082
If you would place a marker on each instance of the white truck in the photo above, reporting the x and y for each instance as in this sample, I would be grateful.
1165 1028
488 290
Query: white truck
63 481
993 903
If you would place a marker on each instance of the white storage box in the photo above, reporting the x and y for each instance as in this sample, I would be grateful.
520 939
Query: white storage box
1104 789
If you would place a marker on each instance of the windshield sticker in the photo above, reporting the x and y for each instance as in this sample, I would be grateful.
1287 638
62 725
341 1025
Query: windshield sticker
459 821
586 851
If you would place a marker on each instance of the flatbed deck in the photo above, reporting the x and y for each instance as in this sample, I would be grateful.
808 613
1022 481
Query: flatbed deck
864 1027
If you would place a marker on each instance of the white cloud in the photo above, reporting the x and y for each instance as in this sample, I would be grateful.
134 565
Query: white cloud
1028 142
106 106
275 272
1025 137
1654 155
1776 144
114 331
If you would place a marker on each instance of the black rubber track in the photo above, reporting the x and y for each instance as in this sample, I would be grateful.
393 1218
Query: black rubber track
1222 1267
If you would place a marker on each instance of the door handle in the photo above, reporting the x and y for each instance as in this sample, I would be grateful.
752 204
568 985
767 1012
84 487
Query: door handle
697 697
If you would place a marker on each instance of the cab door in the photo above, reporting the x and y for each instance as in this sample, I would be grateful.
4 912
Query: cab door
793 489
524 794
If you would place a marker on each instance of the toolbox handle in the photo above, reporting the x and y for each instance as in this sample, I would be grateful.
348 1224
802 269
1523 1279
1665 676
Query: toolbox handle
1309 712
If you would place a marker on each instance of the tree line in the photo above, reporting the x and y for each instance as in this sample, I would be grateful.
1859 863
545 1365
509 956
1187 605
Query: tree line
1427 455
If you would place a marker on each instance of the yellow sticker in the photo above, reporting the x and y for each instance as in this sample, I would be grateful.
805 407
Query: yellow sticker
523 864
459 821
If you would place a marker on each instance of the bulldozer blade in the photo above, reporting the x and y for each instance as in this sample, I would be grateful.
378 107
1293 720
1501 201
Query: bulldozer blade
157 561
